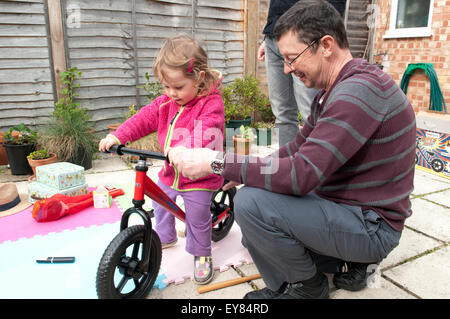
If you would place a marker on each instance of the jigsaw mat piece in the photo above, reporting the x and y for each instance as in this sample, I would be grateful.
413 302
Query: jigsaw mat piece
226 253
23 225
22 277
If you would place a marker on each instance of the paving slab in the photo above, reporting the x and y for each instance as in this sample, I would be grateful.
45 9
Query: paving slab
425 183
250 269
427 276
411 244
443 198
430 219
381 289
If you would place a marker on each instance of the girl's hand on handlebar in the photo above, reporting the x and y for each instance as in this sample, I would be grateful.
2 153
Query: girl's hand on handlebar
106 143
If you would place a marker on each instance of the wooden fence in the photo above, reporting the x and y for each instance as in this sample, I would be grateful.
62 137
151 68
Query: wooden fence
114 43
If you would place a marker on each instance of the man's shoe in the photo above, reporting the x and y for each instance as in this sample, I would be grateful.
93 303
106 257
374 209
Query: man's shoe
314 288
264 293
355 279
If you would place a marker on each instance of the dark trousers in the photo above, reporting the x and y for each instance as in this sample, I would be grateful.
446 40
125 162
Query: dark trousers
288 236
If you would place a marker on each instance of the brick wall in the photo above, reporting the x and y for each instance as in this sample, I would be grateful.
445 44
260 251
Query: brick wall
396 54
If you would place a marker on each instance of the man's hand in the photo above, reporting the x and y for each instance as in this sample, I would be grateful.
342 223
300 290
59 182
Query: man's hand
193 163
261 54
229 185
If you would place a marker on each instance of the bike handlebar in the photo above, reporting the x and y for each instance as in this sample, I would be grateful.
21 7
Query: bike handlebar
121 150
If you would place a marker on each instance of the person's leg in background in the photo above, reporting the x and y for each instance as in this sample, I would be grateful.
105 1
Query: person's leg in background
304 97
282 94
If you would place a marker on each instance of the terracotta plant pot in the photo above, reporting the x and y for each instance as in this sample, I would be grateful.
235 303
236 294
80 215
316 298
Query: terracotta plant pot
232 127
242 145
113 127
35 163
3 155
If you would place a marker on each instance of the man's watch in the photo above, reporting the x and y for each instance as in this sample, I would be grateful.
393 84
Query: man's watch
218 164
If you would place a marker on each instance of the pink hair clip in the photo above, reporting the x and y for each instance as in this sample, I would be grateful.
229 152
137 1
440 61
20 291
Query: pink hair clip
191 65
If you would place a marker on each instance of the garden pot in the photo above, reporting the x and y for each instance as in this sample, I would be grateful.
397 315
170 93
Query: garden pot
17 158
3 156
113 127
82 158
242 145
232 126
35 163
264 136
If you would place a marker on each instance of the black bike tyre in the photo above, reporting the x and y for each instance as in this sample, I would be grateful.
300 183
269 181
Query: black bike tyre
111 257
437 165
227 223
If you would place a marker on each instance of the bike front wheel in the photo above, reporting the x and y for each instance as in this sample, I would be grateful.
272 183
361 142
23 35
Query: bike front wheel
121 273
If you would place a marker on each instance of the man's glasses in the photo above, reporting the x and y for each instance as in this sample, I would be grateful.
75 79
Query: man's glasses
289 63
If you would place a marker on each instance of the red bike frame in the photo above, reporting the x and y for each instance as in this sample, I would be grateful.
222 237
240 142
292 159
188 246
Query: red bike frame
144 185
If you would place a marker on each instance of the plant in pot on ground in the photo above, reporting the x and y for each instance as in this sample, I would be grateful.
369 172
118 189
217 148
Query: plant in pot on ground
39 158
264 124
243 140
70 134
241 99
18 142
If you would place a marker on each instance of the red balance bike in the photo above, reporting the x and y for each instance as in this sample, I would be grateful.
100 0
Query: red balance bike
130 264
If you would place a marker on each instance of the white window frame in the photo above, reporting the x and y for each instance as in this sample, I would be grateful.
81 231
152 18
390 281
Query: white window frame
393 32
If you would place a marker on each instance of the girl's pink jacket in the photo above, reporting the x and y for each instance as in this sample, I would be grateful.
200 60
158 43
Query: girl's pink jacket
199 123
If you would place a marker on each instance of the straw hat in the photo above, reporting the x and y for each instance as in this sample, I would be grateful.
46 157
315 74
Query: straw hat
11 201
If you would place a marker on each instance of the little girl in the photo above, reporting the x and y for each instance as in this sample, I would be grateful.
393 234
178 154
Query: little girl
191 114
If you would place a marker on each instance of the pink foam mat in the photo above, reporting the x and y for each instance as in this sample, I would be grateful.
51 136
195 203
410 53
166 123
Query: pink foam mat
177 265
23 225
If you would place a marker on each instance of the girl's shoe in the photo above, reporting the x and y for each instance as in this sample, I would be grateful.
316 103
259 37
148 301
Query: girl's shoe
203 270
170 244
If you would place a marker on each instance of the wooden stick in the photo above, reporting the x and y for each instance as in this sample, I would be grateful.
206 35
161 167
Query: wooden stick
227 283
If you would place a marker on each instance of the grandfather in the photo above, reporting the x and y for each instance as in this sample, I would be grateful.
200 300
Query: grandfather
341 187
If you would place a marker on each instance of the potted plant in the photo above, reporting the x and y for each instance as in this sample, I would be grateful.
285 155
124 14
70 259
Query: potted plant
264 125
241 99
242 141
69 133
39 158
3 156
18 142
263 132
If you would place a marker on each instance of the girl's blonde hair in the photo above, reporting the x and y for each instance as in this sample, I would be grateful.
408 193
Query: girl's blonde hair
185 53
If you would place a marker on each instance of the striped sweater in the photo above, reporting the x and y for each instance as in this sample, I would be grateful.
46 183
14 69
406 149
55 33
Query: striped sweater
357 147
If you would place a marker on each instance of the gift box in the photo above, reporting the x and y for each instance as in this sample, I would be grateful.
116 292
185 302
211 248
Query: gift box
62 175
101 198
38 191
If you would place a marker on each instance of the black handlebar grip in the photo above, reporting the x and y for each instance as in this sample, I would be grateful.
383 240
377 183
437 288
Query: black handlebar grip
115 149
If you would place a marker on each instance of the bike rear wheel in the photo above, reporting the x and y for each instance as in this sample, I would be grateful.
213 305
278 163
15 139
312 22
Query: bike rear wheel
121 274
221 201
